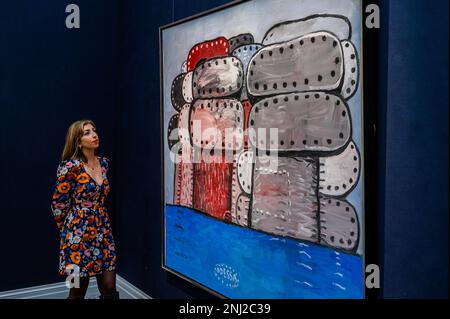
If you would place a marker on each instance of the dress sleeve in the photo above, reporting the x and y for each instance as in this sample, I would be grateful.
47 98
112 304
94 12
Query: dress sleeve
63 189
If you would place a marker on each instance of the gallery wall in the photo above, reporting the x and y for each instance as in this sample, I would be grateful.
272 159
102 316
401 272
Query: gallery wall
50 76
414 133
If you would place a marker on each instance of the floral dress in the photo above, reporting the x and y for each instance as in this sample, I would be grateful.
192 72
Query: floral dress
86 243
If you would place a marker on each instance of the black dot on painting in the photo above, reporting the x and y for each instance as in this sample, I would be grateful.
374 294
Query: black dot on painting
355 158
353 70
274 86
252 122
324 38
316 142
265 86
336 188
275 101
355 170
316 96
341 241
281 50
319 78
296 97
352 220
257 86
337 60
306 96
327 97
270 53
261 56
286 99
281 142
343 113
344 186
294 84
313 40
341 135
333 73
338 102
329 201
251 72
195 84
284 84
328 141
353 82
301 42
334 43
266 104
352 233
348 90
350 180
347 209
352 57
304 142
256 109
329 187
254 62
292 142
306 81
291 46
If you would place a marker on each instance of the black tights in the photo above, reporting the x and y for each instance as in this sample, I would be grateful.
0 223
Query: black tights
106 283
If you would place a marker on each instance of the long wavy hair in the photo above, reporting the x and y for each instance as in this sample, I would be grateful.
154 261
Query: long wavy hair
73 139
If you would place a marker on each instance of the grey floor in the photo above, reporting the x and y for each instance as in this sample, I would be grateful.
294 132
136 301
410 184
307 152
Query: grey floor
60 291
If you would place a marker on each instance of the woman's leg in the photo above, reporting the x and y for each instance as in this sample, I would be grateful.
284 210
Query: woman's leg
79 293
106 283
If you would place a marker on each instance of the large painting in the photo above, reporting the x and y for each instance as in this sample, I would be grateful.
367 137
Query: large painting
262 149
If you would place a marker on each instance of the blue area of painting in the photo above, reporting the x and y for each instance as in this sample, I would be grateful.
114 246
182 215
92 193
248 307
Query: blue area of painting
238 262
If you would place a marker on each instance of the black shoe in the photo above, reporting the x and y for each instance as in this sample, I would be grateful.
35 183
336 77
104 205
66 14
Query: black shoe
113 295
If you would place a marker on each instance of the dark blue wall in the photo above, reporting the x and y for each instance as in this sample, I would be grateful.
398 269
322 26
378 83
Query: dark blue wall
415 245
50 76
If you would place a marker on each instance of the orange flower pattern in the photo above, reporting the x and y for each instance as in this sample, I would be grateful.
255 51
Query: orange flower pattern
78 206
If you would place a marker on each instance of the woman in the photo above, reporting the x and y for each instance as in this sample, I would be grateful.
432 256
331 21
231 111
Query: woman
86 245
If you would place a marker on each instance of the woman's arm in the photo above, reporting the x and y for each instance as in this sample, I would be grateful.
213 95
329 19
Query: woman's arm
63 189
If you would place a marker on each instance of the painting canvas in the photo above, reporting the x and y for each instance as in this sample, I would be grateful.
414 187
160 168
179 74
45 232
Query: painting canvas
263 149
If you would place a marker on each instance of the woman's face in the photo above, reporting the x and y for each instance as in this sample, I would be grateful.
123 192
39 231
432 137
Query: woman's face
90 139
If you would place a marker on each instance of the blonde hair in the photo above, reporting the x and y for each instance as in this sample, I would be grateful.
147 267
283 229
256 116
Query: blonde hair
73 138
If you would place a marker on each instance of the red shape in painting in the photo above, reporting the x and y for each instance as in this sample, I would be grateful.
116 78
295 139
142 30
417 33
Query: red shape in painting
207 50
212 188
